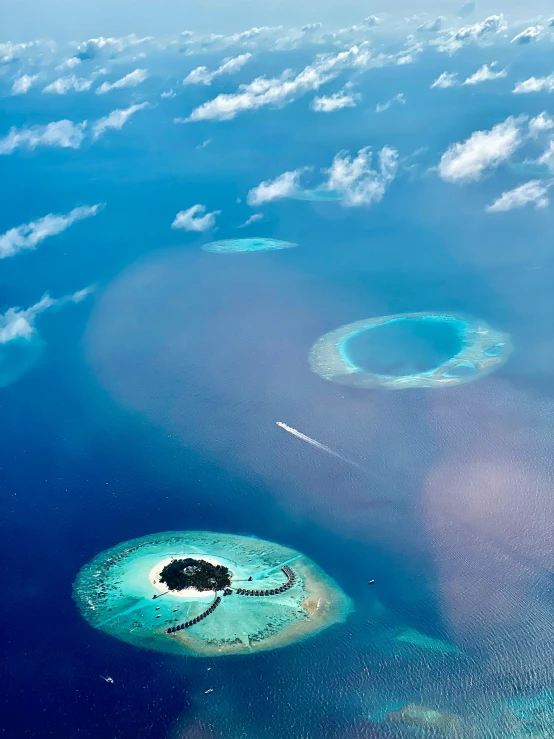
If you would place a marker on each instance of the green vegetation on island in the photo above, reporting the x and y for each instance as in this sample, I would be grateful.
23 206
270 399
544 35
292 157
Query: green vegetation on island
195 573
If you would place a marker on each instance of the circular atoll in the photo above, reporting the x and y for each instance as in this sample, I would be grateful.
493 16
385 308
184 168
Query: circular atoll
206 594
229 246
409 350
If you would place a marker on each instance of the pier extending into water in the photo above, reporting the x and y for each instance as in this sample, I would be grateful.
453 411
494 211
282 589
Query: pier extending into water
196 620
291 579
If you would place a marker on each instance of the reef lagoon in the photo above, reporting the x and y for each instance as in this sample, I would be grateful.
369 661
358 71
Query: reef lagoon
120 592
411 350
231 246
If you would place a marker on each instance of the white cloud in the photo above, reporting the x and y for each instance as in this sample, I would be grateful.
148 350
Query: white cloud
446 79
202 76
534 191
264 37
283 90
381 107
168 94
9 52
193 220
539 124
466 161
547 158
455 40
525 37
484 74
254 218
70 63
337 101
432 26
205 143
284 186
23 84
72 83
109 47
535 84
132 79
116 119
29 235
16 323
64 134
356 181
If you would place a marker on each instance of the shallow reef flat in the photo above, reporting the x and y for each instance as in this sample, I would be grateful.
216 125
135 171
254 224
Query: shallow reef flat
230 246
115 594
396 360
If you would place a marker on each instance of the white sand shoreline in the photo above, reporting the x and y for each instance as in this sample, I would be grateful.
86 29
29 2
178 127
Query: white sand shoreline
189 593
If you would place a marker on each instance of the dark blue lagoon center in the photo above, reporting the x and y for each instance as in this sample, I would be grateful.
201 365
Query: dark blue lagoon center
404 346
412 350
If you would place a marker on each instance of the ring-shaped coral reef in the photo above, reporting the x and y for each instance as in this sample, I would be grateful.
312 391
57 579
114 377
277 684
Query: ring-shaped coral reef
409 350
276 595
231 246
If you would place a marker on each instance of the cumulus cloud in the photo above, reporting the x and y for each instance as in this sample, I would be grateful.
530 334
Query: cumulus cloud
282 90
337 101
535 84
23 84
70 63
108 47
525 37
356 181
534 192
455 40
547 158
264 37
446 79
72 83
116 119
541 123
381 107
194 220
17 323
132 79
466 161
9 52
254 218
29 235
202 76
484 74
168 94
64 134
284 186
432 26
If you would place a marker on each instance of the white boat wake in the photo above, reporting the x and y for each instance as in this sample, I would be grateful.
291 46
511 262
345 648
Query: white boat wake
318 445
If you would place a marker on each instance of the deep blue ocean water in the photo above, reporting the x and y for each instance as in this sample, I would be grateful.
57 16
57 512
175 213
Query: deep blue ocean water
154 408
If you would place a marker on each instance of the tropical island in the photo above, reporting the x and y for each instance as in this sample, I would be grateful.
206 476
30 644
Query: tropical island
409 350
180 574
207 594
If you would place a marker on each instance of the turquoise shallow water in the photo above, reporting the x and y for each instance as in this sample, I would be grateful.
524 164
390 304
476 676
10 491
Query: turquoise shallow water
405 346
117 593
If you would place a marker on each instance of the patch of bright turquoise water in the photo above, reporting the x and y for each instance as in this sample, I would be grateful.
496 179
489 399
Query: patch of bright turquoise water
116 593
246 245
318 195
404 346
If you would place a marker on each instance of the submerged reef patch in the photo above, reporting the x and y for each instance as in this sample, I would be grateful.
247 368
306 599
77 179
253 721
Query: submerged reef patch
229 246
409 350
276 595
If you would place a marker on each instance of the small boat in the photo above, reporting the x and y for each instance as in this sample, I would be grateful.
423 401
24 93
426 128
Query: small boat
210 690
370 582
107 679
158 608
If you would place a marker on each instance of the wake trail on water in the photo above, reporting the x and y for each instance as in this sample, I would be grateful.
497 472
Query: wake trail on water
318 445
406 507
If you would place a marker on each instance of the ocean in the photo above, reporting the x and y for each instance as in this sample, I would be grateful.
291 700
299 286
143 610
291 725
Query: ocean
154 408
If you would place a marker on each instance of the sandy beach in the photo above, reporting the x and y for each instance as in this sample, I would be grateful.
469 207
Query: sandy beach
154 577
